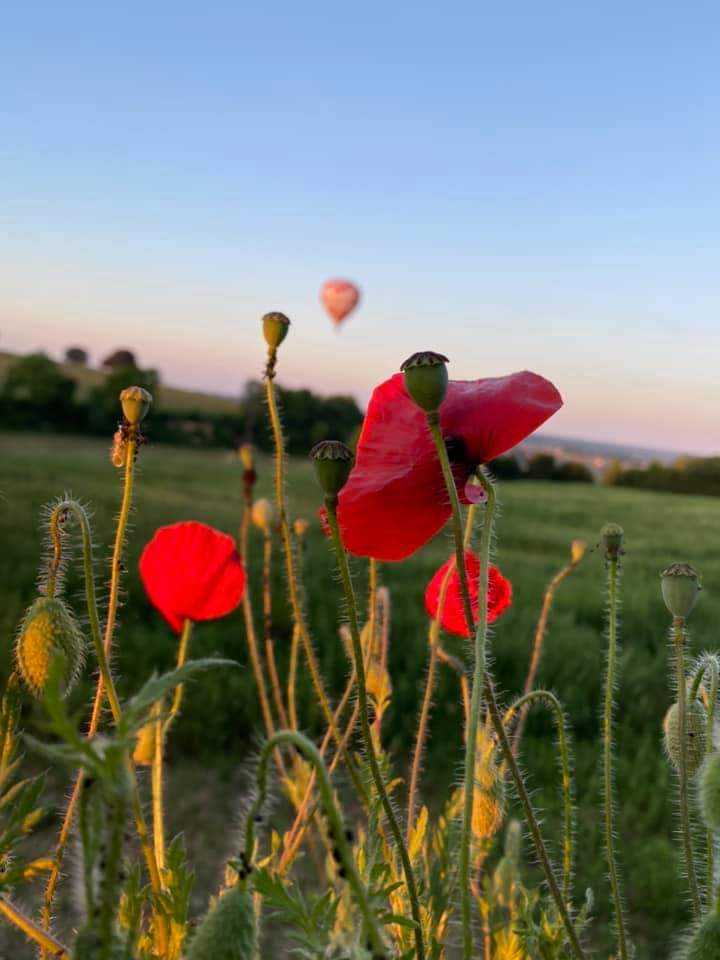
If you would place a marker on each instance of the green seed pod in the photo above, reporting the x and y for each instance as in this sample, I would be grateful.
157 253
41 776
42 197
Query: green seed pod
710 792
695 735
228 932
48 636
680 588
426 379
333 462
275 329
135 402
611 538
705 944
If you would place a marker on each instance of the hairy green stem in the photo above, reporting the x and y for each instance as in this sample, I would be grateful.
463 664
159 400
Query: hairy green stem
331 503
678 635
708 663
521 705
493 709
334 819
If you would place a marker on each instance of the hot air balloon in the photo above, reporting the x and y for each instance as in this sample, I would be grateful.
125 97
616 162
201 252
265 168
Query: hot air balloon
339 297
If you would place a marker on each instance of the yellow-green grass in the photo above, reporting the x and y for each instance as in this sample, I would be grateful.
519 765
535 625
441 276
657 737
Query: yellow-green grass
169 399
221 722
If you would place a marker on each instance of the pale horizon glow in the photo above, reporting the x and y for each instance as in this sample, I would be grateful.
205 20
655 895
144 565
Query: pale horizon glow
513 189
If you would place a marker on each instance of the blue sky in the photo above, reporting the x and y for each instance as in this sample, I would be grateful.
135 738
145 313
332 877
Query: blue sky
532 185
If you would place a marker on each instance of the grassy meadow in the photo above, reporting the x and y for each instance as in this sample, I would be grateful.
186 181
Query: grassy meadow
220 724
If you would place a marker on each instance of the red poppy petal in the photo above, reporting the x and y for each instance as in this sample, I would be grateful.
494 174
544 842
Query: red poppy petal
192 572
453 615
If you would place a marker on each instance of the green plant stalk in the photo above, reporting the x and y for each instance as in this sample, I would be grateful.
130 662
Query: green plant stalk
708 663
678 635
334 818
608 798
331 504
521 706
267 630
493 709
293 582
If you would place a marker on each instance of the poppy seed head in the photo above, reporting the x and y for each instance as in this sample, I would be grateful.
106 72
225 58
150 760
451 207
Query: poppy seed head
680 585
426 379
275 328
333 461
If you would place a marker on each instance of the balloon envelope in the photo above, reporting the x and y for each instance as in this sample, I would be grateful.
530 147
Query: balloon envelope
339 297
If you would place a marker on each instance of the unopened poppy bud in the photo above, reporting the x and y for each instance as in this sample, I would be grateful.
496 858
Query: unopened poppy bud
426 379
577 550
300 527
135 402
275 329
245 452
229 930
611 538
48 639
710 792
705 943
333 462
695 735
263 515
680 588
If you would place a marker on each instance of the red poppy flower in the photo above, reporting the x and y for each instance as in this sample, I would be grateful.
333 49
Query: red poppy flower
395 499
192 572
453 616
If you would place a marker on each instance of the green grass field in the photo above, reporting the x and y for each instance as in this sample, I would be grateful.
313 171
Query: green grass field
220 723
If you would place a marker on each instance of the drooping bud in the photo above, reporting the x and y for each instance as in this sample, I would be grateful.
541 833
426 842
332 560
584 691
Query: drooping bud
247 458
577 550
611 538
333 462
426 379
695 735
275 329
710 792
263 515
680 588
300 527
228 932
48 639
705 943
135 402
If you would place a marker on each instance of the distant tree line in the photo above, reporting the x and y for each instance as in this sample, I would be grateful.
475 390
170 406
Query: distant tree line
699 475
37 394
541 466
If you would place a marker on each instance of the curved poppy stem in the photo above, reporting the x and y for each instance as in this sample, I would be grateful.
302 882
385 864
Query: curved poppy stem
482 678
334 819
678 637
520 707
331 503
290 566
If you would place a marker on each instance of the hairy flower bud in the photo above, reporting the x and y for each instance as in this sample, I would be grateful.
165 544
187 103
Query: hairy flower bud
275 329
680 588
611 538
263 515
426 379
705 943
710 792
577 550
246 454
135 402
333 462
300 527
49 638
228 932
695 735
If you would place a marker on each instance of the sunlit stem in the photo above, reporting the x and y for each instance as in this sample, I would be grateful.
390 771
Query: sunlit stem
678 637
482 678
608 796
47 943
293 582
331 504
334 820
267 630
708 663
520 707
433 641
538 641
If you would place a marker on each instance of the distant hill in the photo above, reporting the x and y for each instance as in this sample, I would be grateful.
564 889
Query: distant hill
170 399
